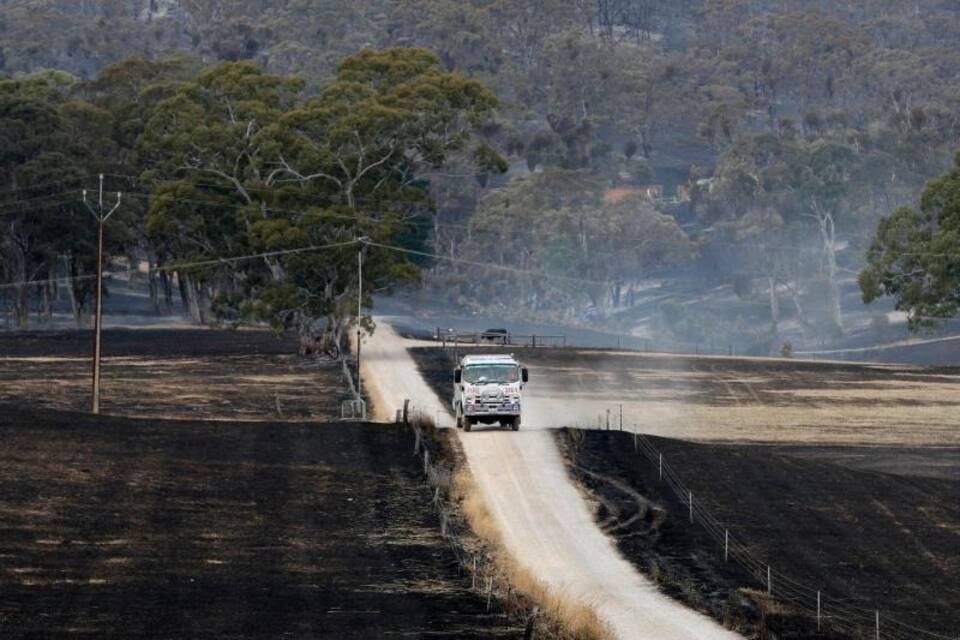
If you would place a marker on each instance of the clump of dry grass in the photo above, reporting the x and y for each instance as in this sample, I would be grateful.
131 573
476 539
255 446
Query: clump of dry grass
577 618
422 421
767 605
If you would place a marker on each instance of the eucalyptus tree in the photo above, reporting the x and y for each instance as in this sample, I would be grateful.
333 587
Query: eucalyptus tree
571 247
50 143
366 148
915 254
248 165
205 141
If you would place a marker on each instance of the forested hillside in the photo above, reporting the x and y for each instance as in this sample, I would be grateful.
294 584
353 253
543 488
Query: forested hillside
675 147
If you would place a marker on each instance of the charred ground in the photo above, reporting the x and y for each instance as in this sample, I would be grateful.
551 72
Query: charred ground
807 496
892 418
114 527
866 540
227 522
172 373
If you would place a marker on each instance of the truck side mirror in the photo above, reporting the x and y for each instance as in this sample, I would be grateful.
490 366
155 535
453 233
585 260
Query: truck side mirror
525 374
458 376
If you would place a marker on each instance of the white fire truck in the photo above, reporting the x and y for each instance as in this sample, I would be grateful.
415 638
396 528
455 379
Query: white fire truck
488 389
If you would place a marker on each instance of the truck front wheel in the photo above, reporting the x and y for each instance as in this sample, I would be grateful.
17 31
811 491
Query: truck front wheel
467 423
515 423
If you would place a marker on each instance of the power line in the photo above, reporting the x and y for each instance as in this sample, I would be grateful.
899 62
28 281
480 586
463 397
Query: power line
46 196
185 265
58 181
64 197
282 252
488 265
265 254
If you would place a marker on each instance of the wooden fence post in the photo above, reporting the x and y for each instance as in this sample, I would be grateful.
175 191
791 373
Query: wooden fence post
818 611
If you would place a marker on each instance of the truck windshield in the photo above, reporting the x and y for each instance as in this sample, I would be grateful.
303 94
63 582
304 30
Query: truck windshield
490 373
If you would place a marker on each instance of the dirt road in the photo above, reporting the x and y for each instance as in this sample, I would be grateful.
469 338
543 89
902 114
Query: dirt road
545 522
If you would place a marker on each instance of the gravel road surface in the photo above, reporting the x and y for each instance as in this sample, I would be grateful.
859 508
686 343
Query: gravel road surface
544 520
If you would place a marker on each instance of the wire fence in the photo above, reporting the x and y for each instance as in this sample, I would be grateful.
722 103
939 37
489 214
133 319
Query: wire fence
452 337
826 610
473 559
504 338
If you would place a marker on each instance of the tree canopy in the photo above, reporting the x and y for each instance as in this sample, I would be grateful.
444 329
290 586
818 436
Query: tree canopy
234 161
773 136
915 255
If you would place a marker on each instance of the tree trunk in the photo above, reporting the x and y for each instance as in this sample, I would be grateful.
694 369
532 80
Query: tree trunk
153 285
828 234
134 272
276 269
17 261
166 283
49 295
184 295
76 305
337 336
193 302
774 306
21 307
795 298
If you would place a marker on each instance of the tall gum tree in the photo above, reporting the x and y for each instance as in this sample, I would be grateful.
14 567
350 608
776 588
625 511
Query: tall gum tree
51 143
251 167
366 146
206 139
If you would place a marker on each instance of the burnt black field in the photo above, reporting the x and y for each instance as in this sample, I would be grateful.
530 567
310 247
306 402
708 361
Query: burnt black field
867 540
122 342
219 498
830 517
119 528
196 374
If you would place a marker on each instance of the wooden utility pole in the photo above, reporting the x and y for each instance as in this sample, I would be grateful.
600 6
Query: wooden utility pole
101 218
360 244
359 310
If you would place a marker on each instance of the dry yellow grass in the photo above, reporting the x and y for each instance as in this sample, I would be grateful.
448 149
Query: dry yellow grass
735 400
216 387
578 618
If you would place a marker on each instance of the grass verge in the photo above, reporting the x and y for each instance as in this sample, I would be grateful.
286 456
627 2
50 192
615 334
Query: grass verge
471 527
